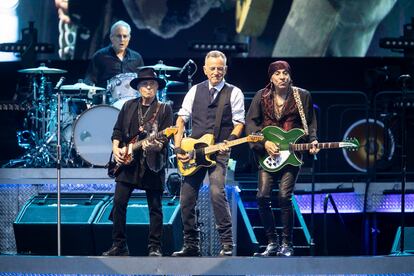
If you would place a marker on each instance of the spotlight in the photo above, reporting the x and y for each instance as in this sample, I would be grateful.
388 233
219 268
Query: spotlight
229 47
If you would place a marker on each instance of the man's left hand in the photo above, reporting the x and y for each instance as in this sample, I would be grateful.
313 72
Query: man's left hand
314 150
223 148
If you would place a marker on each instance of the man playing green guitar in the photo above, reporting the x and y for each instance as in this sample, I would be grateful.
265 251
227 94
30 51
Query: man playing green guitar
282 105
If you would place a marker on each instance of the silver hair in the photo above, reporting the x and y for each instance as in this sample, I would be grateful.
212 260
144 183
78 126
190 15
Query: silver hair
119 24
216 54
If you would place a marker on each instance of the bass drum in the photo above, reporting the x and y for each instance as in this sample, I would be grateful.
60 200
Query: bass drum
378 147
92 133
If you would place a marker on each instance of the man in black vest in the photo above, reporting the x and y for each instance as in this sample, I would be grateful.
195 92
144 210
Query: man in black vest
202 103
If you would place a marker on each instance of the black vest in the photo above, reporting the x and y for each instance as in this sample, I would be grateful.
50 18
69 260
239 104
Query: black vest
204 113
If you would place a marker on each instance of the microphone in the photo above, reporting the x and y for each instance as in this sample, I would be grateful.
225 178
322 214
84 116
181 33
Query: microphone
59 83
404 77
185 67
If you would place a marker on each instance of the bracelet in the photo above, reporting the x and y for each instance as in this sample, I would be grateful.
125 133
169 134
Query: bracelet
179 150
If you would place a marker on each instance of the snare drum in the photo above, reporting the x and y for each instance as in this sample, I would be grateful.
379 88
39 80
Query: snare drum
119 87
92 133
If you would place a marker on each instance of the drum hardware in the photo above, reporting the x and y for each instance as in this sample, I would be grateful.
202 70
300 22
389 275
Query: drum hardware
174 83
39 139
160 66
92 140
42 69
81 86
83 90
119 89
84 142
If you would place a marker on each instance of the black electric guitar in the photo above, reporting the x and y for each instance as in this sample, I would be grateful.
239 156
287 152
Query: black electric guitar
114 168
286 140
200 150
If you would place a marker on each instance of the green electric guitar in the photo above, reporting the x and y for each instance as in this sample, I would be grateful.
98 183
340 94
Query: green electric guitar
287 144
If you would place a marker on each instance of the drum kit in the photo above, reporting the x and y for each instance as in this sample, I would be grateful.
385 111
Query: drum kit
86 128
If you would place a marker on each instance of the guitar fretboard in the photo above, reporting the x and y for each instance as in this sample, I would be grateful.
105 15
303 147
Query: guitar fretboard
215 148
307 146
158 135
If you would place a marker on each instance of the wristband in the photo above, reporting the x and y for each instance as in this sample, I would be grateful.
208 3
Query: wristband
179 150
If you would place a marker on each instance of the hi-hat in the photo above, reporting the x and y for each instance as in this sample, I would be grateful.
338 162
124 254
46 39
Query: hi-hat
161 67
174 83
42 69
80 86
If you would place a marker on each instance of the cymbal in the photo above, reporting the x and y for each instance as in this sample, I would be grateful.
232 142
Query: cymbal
161 67
80 86
174 83
42 69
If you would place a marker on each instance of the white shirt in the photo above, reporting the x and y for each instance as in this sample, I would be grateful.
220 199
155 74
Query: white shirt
236 102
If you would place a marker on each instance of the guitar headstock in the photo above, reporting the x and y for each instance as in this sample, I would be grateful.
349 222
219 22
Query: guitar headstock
255 137
169 131
351 144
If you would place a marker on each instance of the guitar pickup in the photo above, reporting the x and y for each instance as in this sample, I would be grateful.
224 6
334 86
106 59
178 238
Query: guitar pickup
189 166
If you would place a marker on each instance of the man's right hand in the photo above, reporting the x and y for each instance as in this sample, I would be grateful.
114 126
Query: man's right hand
271 148
183 157
62 7
119 154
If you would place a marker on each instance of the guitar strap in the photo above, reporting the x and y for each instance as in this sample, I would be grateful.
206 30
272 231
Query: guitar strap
299 104
224 95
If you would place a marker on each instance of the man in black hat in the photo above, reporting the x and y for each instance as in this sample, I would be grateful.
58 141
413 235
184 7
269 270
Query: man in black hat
140 117
283 105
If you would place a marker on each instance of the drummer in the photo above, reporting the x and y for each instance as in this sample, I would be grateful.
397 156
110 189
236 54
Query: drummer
114 59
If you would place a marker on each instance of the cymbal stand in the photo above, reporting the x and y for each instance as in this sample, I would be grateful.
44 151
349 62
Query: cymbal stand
403 79
43 127
190 84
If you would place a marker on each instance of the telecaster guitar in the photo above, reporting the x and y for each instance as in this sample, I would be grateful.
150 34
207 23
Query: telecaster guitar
287 145
114 168
200 150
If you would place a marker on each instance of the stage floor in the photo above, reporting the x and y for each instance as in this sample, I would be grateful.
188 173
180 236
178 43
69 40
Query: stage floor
380 265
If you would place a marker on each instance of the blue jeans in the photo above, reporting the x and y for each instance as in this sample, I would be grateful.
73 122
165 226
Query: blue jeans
188 199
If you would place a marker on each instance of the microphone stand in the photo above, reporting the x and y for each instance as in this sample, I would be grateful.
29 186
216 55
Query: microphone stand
58 165
404 88
312 231
190 84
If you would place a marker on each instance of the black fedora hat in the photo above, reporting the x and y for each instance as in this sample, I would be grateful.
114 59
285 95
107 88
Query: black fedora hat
147 74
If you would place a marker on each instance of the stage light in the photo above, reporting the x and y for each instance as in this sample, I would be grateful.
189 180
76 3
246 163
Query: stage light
397 43
229 47
404 44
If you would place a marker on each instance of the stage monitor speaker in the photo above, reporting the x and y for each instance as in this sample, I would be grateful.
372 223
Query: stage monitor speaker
35 227
408 240
138 227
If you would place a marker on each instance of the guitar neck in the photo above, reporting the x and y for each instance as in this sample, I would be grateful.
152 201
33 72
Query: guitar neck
307 146
232 143
138 144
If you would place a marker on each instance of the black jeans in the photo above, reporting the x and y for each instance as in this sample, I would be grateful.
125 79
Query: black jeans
123 192
267 181
188 199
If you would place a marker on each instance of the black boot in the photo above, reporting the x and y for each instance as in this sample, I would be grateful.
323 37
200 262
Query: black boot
187 251
271 250
154 251
117 250
286 250
226 251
